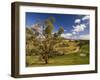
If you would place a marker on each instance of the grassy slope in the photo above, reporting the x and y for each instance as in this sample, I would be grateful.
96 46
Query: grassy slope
70 59
67 59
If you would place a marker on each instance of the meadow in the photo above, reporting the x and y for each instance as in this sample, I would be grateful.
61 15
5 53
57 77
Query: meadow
68 58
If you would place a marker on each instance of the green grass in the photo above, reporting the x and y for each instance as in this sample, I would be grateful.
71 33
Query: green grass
68 59
60 60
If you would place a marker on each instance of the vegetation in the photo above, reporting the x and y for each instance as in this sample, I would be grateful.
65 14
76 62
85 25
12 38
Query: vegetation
43 47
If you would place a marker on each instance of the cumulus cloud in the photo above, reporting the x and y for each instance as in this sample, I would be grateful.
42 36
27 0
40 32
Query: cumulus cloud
77 21
37 28
84 37
85 18
73 32
66 35
79 28
71 36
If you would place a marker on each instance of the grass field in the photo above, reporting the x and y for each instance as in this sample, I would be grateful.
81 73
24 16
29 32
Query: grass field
68 59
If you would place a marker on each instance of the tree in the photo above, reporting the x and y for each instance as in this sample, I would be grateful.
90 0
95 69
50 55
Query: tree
60 31
48 44
44 46
49 26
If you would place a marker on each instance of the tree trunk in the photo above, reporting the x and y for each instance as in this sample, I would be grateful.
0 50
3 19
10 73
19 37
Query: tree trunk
46 59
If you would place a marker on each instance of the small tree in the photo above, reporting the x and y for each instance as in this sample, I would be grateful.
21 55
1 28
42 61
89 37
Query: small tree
48 43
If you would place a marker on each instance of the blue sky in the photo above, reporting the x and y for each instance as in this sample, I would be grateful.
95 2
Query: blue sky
75 26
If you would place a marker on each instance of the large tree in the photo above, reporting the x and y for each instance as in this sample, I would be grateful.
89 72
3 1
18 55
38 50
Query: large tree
43 43
47 44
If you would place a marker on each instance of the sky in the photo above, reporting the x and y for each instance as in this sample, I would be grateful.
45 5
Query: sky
75 26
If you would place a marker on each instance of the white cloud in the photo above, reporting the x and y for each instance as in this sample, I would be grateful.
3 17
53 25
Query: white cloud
73 32
73 26
71 36
36 28
79 28
66 35
77 21
84 37
85 18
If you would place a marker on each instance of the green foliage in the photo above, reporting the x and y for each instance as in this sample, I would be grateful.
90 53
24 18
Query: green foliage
29 31
60 31
49 27
55 35
52 19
